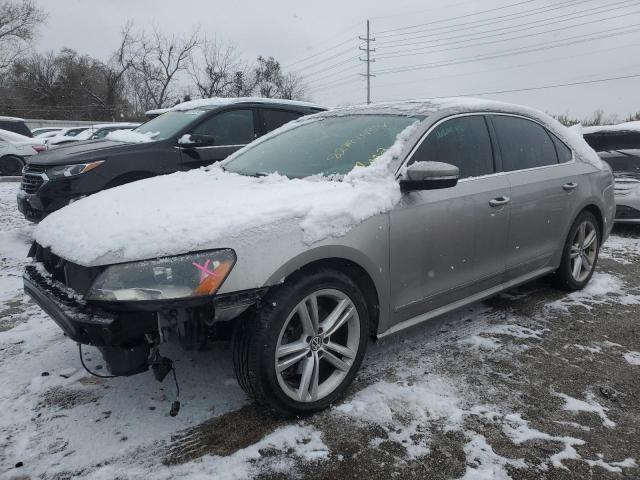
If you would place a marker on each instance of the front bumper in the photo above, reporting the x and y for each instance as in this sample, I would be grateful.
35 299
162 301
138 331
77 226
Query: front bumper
628 209
81 322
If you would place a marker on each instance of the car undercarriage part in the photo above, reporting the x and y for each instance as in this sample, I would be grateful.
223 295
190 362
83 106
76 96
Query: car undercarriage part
123 362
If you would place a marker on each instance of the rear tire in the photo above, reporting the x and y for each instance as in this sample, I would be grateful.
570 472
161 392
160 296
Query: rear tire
302 348
11 165
580 253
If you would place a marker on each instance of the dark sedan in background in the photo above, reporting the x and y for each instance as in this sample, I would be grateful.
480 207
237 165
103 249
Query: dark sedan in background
190 135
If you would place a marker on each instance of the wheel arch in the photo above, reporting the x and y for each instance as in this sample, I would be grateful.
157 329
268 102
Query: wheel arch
350 262
129 177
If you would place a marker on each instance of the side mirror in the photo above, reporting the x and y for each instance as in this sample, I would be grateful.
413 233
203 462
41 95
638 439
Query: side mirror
429 176
193 140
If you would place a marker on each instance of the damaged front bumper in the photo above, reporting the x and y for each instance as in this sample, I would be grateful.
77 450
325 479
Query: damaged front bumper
128 337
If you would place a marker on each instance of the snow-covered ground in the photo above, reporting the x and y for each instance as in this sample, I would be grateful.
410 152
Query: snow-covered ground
531 384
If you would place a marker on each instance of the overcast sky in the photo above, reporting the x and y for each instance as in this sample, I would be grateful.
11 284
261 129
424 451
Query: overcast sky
410 34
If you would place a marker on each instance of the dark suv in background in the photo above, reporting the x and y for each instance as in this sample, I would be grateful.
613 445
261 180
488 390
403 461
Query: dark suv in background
190 135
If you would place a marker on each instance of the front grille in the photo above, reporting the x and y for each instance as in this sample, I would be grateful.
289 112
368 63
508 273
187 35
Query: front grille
74 276
31 183
59 293
627 213
32 178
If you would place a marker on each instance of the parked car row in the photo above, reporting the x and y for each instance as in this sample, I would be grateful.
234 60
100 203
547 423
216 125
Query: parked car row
16 140
306 241
191 135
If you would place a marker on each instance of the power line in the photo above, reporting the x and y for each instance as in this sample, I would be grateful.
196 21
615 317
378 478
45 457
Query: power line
326 69
319 62
517 37
557 85
528 25
334 74
505 53
381 32
510 67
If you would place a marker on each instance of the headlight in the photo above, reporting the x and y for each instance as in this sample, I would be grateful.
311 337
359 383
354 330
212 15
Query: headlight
72 170
184 276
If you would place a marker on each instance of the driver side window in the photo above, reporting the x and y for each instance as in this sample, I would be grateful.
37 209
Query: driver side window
233 127
463 142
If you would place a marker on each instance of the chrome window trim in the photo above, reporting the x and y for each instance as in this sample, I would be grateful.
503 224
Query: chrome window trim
469 114
211 146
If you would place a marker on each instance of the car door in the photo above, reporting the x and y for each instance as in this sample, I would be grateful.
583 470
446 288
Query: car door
220 135
272 118
449 244
543 191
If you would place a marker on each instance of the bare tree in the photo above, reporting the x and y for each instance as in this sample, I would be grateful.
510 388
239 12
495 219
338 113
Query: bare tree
215 68
271 82
18 23
158 60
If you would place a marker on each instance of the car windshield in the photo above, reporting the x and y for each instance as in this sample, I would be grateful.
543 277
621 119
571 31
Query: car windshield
325 146
168 124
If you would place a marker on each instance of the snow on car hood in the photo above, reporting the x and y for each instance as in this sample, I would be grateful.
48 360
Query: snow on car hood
188 211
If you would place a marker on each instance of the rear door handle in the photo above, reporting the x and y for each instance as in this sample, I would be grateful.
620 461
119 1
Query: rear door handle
496 202
569 186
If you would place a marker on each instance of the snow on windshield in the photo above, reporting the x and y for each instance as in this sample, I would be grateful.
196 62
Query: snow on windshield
130 136
194 210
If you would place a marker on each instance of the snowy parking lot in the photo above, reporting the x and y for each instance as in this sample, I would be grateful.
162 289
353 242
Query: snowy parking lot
534 383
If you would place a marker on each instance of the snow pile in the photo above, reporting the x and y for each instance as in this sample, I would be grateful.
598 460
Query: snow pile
602 287
623 250
131 136
615 467
574 405
405 411
620 127
632 358
484 463
193 210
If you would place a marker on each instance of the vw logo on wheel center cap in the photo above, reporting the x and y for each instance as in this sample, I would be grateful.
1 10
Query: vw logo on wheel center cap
316 343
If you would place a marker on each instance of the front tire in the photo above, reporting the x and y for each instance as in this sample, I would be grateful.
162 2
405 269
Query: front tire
580 253
302 348
11 165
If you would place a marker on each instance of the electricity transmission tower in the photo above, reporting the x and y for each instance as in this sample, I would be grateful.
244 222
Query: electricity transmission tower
368 50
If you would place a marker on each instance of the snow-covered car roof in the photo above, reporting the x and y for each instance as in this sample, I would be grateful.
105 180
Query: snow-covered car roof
220 102
12 119
620 127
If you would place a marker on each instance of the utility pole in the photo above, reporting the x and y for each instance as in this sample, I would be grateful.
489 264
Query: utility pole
367 48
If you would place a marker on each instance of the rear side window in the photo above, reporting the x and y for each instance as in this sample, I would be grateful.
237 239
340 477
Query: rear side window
523 143
15 127
234 127
463 142
273 119
564 152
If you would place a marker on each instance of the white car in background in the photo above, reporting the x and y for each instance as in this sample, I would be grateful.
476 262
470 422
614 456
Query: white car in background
45 132
14 149
88 132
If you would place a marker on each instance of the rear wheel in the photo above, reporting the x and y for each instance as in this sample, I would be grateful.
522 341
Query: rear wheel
303 347
580 253
11 165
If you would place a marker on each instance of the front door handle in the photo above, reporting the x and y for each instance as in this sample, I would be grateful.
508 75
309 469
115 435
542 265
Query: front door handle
569 186
496 202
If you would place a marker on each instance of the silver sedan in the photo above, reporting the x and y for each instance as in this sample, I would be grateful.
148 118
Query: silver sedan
345 225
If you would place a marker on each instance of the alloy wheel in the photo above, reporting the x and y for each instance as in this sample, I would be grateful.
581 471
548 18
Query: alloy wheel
317 345
584 249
